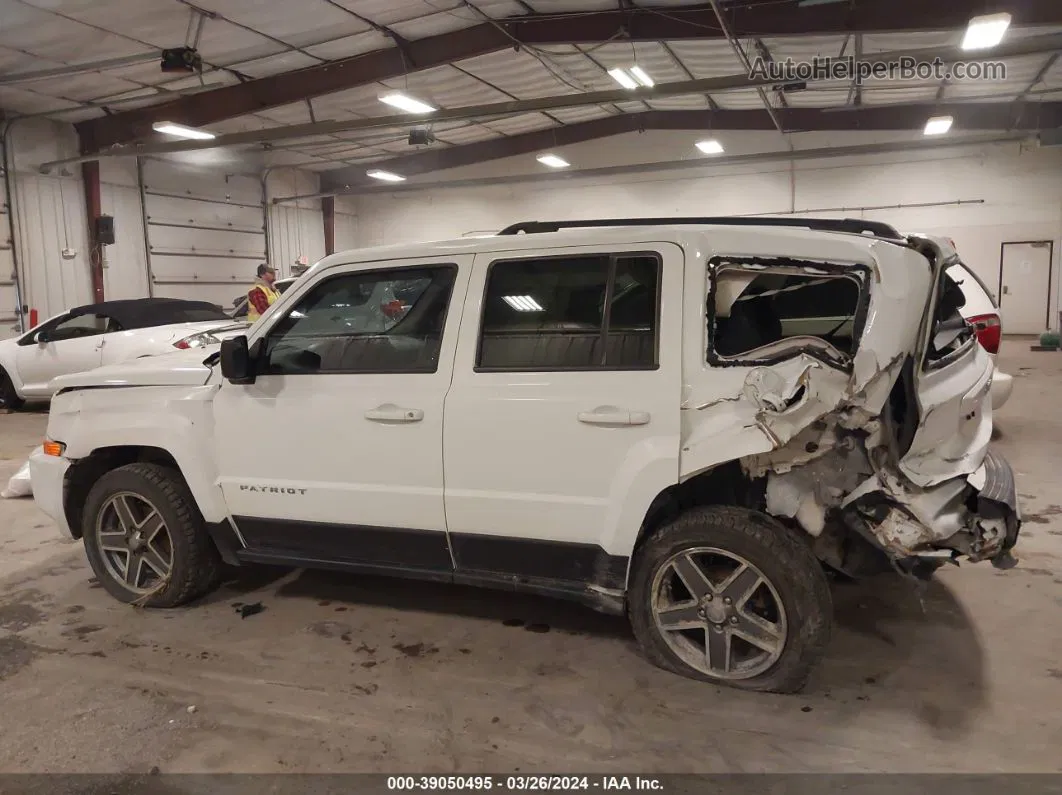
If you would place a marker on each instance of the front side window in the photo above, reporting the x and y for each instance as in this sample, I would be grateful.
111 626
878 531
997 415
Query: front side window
596 311
759 311
388 321
77 327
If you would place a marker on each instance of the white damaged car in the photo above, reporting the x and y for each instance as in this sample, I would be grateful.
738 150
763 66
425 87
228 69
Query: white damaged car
682 420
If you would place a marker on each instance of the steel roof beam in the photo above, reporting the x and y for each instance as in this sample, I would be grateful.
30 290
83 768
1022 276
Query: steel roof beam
1032 116
631 24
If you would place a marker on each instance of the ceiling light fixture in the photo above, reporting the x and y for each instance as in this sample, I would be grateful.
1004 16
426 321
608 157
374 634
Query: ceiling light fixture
938 125
710 147
181 131
386 176
985 31
523 303
396 99
631 78
641 76
553 161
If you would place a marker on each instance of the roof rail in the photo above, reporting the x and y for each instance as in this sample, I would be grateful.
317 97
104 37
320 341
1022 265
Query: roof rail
853 226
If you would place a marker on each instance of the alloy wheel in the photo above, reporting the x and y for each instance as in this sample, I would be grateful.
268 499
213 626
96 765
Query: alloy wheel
719 613
134 542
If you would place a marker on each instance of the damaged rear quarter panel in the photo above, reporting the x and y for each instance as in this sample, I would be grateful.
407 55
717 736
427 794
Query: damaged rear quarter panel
757 403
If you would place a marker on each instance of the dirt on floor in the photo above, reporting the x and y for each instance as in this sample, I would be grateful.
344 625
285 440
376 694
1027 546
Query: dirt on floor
344 673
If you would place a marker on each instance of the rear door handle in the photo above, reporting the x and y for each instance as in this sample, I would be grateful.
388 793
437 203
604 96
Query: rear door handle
392 413
612 416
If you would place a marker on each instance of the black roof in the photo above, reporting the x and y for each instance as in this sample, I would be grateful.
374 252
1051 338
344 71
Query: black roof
149 312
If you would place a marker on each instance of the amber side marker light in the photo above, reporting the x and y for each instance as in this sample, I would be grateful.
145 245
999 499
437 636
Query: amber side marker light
53 448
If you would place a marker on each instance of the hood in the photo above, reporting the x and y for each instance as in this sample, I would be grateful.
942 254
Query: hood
183 368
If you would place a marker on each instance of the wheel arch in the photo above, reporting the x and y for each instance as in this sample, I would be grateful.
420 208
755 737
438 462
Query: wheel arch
725 484
84 473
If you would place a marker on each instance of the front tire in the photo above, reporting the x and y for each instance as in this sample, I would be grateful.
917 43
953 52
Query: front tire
729 595
145 539
9 398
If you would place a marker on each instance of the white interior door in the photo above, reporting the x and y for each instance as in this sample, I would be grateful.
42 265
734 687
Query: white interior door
1025 276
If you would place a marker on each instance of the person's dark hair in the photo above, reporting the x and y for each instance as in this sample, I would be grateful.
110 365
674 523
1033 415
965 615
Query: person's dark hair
265 268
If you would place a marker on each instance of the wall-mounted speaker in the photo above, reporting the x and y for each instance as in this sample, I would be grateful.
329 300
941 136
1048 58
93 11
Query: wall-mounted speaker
105 230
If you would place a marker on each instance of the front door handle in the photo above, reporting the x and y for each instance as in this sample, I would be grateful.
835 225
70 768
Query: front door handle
612 416
389 412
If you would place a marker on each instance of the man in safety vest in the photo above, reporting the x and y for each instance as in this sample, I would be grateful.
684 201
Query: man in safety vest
263 294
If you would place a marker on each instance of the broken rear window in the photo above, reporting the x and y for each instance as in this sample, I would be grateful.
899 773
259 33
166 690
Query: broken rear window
761 311
951 332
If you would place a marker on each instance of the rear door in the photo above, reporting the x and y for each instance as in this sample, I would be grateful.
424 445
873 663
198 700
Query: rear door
562 422
952 385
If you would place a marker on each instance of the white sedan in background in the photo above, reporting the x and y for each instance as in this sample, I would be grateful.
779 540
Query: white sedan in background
107 333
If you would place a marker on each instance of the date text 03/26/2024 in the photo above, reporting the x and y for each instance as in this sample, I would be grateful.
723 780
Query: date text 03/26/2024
517 783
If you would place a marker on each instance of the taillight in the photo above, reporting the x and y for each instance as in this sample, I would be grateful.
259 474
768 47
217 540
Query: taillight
182 344
988 331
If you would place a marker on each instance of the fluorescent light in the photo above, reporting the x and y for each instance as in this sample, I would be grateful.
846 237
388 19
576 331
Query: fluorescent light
621 77
985 31
523 303
397 99
179 130
640 75
937 125
710 147
386 176
553 161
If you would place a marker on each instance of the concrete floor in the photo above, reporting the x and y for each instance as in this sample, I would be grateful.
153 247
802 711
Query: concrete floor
343 673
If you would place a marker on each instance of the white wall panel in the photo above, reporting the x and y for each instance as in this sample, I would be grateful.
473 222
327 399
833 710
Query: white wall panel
347 236
205 230
125 266
1017 196
295 228
49 212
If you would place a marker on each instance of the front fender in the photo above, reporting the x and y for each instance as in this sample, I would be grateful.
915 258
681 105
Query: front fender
178 420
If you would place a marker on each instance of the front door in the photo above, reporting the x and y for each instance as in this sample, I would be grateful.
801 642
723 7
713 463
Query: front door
1025 287
69 345
335 452
562 423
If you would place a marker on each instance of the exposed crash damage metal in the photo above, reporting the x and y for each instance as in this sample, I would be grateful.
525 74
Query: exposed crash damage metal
869 429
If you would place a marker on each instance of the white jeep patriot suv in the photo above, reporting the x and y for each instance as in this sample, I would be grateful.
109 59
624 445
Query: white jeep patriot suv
685 420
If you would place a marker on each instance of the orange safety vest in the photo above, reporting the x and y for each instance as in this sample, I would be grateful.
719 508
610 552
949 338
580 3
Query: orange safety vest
271 296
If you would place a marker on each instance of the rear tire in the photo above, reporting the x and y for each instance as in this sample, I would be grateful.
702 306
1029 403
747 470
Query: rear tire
145 539
731 596
9 398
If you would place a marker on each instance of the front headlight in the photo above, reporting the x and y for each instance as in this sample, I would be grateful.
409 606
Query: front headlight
200 340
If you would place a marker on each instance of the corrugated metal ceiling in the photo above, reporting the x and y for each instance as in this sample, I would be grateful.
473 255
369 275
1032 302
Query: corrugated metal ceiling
252 38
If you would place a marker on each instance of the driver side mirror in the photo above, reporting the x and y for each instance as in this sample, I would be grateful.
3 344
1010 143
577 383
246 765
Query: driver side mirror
238 363
42 338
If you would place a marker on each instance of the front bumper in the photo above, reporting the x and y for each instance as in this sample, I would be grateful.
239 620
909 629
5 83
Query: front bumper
48 476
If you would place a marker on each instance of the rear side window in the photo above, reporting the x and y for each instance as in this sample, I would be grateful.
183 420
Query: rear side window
571 313
759 310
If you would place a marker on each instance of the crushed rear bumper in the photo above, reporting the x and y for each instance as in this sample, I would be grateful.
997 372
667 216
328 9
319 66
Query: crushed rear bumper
976 517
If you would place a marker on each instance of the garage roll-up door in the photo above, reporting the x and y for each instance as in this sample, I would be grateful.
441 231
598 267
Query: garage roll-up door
8 292
205 230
